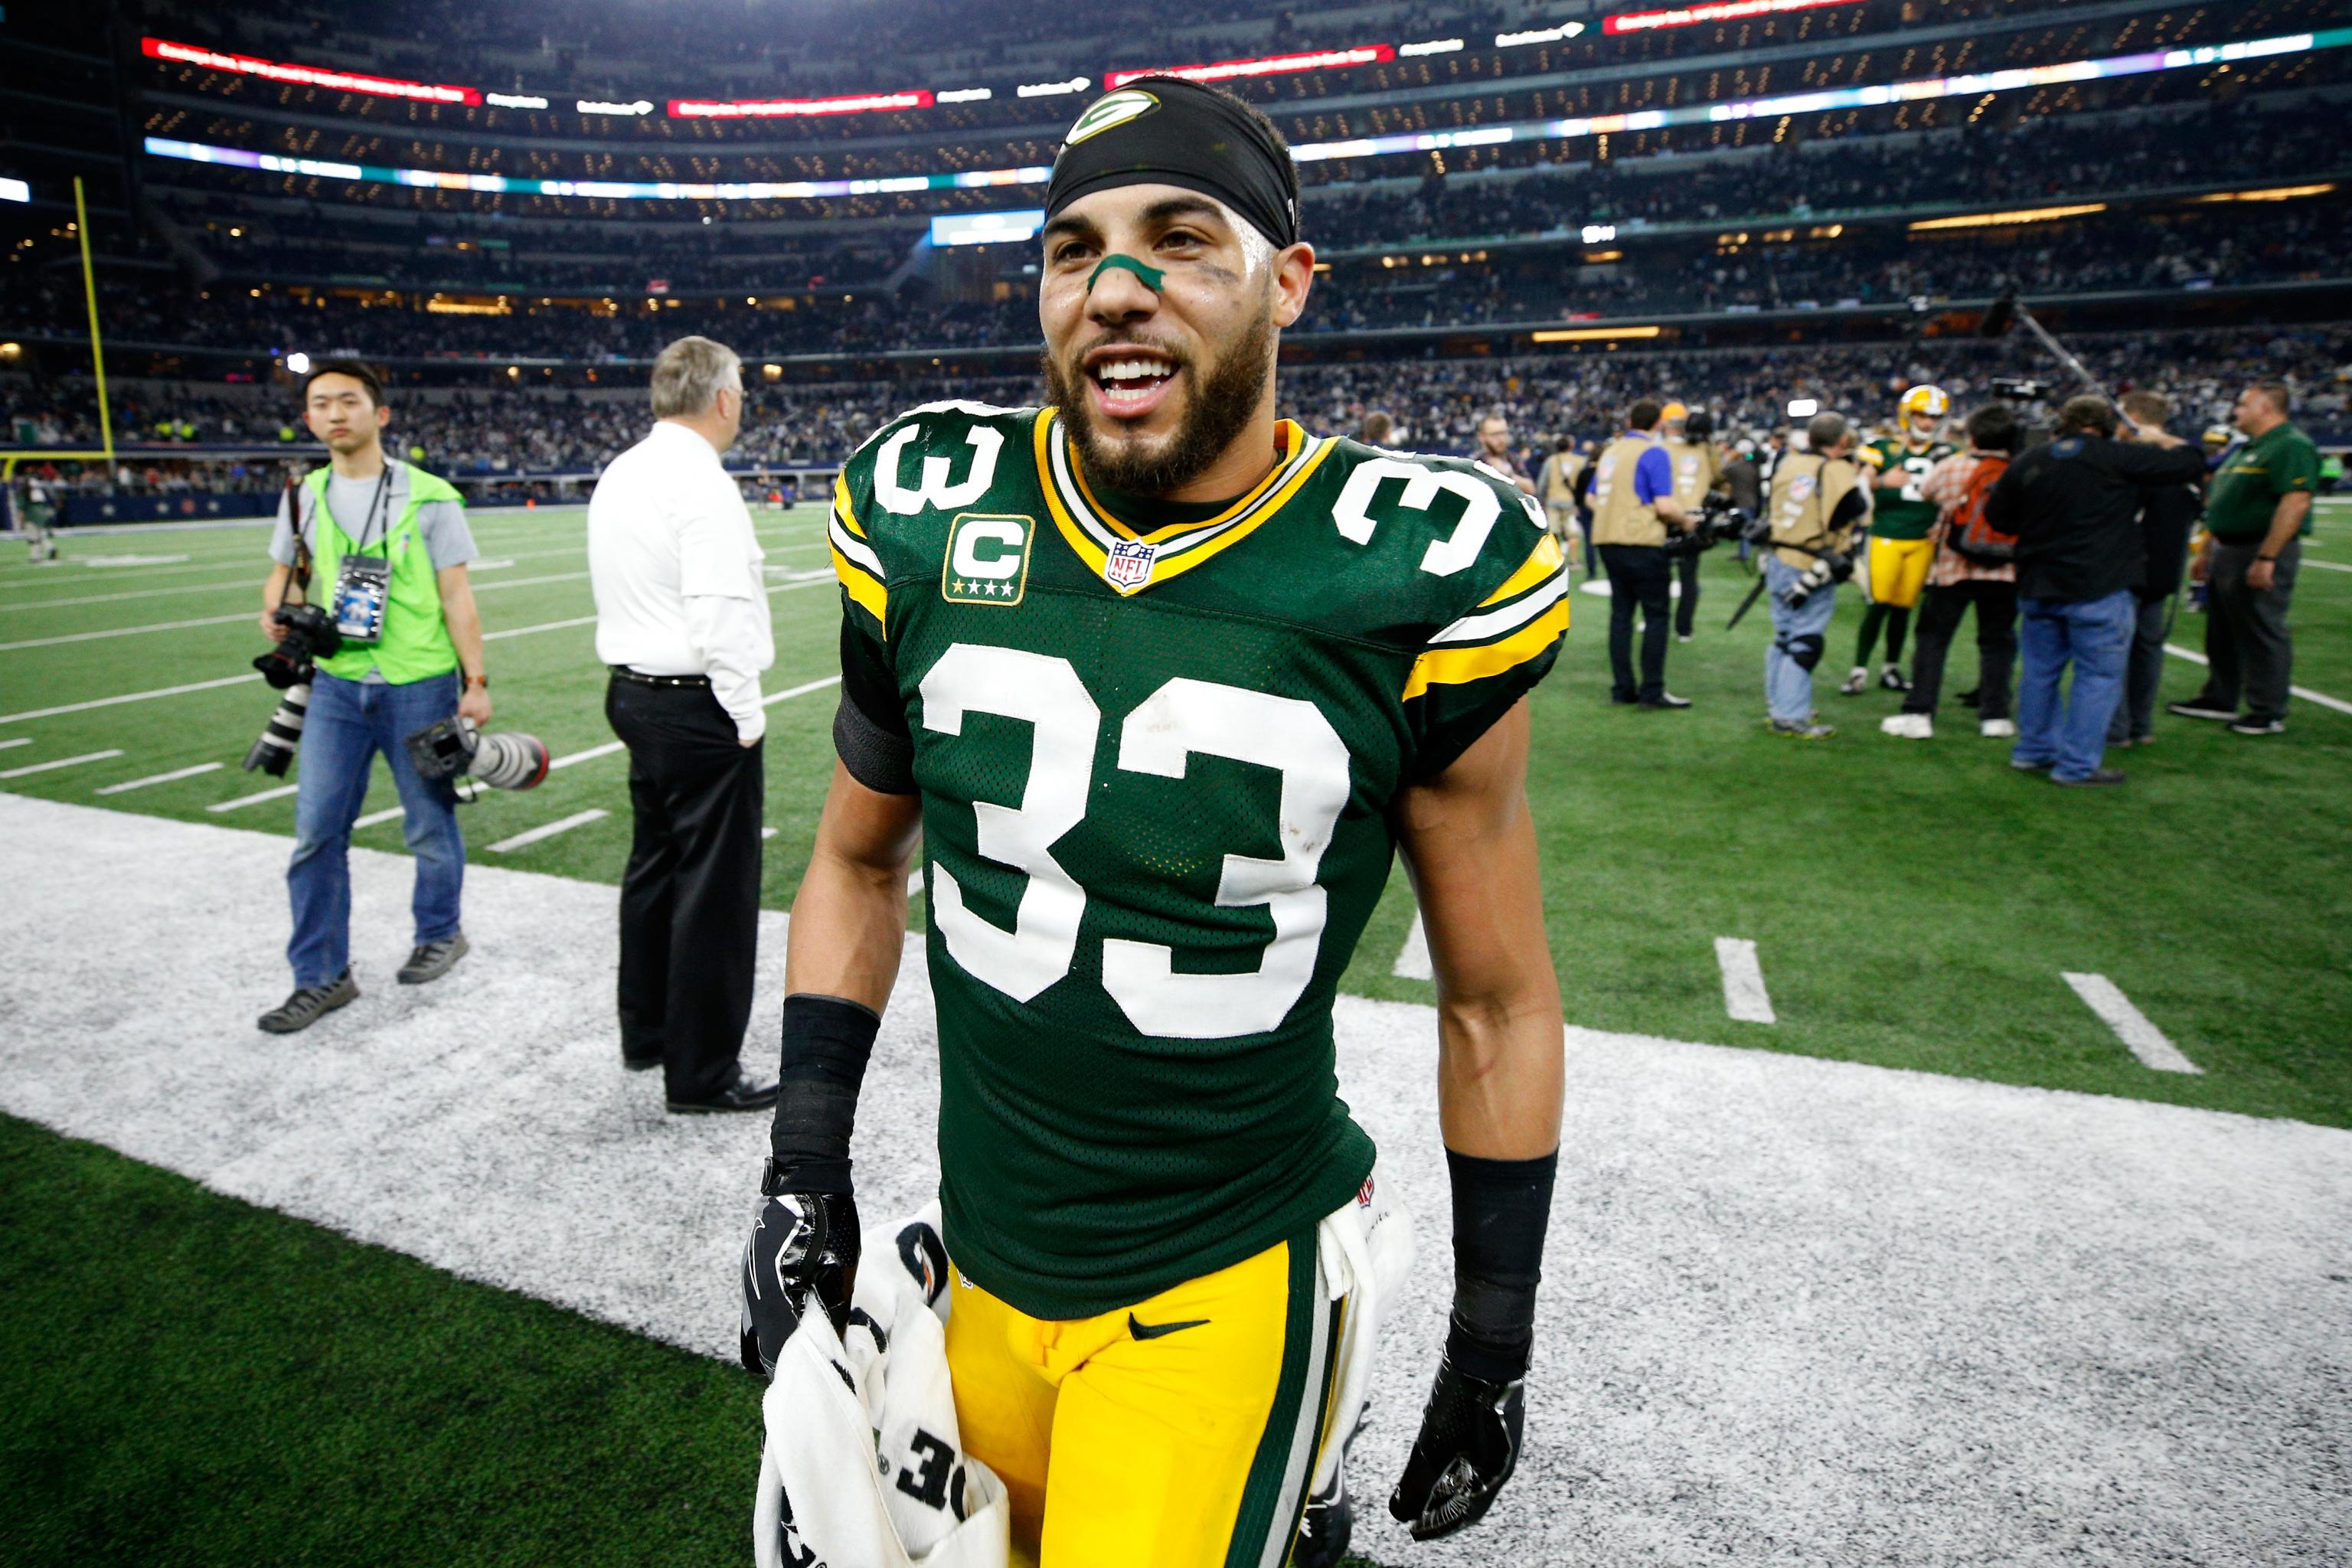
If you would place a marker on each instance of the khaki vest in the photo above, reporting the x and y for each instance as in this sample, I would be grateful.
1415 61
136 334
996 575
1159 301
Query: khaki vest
1697 467
1558 481
1618 518
1806 489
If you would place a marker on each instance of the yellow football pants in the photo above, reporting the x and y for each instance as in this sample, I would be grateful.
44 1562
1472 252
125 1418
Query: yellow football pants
1898 570
1181 1432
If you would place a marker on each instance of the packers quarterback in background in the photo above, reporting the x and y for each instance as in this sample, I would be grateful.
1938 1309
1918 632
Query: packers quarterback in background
1161 681
1901 520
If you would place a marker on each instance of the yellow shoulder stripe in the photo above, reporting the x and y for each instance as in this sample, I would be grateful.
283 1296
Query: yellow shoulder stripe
841 507
863 589
1541 563
1460 666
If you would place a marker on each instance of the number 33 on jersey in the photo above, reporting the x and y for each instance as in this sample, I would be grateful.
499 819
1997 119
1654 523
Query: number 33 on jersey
1156 755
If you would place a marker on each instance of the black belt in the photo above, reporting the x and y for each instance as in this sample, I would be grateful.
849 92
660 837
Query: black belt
639 678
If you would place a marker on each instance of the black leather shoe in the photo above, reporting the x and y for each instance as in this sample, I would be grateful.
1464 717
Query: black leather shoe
1665 700
744 1094
645 1063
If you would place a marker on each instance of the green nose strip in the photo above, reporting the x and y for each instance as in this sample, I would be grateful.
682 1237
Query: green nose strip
1153 278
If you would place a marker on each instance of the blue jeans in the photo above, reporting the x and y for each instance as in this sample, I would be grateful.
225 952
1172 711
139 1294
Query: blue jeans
350 722
2070 735
1796 641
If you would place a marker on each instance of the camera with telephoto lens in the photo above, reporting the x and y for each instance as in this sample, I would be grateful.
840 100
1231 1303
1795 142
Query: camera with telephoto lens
287 667
449 748
1830 567
1719 518
2021 388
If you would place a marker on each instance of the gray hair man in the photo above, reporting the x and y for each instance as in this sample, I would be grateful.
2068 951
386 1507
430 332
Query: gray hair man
682 622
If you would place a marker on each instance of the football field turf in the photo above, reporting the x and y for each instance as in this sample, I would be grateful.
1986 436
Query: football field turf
1913 906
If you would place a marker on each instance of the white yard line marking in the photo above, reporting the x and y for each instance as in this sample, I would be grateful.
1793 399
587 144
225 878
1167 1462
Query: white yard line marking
1744 996
19 741
549 830
372 818
2131 1025
490 565
801 690
590 755
124 632
2304 692
59 763
542 626
162 778
243 581
2329 566
793 587
281 793
767 833
531 581
126 697
1413 962
915 883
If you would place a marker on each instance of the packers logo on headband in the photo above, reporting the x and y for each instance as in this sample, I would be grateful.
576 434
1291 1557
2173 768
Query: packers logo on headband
1113 109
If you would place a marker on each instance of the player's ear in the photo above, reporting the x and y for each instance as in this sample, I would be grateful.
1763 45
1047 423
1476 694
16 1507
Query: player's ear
1294 275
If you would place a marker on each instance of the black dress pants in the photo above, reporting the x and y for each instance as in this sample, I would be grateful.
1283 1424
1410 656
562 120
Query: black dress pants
1939 622
1687 607
2249 651
1639 577
690 897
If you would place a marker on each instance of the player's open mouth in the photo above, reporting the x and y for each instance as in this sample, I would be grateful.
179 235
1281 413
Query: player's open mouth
1130 383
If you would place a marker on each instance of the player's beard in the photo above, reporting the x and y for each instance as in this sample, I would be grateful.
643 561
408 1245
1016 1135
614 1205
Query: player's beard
1217 409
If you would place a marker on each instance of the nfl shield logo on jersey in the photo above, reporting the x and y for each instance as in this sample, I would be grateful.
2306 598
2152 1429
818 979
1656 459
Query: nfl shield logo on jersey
1129 564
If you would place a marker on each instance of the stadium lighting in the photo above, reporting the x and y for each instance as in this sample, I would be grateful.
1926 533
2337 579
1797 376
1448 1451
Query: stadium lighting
1599 233
1053 88
2275 194
305 75
964 95
297 363
786 108
1434 47
987 228
2005 219
1595 334
1559 34
15 191
1267 65
1803 407
514 100
1719 11
598 106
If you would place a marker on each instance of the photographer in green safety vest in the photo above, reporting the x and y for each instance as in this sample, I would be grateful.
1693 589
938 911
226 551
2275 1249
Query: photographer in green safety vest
380 546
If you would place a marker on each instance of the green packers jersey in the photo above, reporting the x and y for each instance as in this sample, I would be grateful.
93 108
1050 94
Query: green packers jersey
1156 770
1904 513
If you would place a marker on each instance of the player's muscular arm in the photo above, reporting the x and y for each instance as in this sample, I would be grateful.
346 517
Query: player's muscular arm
849 922
1469 844
849 919
1470 849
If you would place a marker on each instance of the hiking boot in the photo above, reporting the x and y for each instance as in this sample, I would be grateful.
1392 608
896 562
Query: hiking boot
1803 729
431 960
1891 677
1856 683
1908 727
309 1003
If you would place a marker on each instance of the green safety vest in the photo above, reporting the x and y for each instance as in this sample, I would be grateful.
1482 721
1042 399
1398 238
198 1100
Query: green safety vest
415 644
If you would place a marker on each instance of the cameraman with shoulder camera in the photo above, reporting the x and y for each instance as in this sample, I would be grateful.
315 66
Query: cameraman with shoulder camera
383 546
1632 488
1819 499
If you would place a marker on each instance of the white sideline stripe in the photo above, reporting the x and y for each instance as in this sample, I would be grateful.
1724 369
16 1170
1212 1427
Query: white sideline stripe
2304 692
1744 996
2147 1042
59 763
281 793
590 755
549 830
372 818
162 778
801 690
1412 961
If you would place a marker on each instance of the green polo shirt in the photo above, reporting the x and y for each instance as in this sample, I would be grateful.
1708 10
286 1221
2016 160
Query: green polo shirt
2248 488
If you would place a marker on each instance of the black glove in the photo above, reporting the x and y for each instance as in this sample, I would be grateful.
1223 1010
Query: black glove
803 1245
1468 1446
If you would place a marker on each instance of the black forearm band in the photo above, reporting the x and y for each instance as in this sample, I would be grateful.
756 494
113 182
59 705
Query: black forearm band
1501 1208
827 1041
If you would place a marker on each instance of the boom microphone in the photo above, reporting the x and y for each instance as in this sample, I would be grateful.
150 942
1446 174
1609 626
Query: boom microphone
1999 316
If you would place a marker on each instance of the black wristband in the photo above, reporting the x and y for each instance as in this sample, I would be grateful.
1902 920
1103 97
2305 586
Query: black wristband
1501 1209
827 1041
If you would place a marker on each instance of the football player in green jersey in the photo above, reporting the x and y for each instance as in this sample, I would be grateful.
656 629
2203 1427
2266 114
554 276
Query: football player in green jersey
1162 682
1901 519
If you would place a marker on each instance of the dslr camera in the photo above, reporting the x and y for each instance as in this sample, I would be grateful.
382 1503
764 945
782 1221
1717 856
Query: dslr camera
451 748
1719 518
1830 567
311 636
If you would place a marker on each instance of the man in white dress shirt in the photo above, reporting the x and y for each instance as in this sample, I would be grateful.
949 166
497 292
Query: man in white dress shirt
682 620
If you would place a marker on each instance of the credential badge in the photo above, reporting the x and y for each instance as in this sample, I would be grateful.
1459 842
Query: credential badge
1128 565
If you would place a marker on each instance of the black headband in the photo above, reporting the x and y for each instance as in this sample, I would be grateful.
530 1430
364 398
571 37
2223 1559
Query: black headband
1165 130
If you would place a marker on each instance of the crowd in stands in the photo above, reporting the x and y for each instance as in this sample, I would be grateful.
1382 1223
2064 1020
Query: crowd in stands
1436 403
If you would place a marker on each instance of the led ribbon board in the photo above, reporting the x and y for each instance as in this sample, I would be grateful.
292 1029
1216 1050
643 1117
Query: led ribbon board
1718 11
786 108
304 76
1308 152
1269 65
